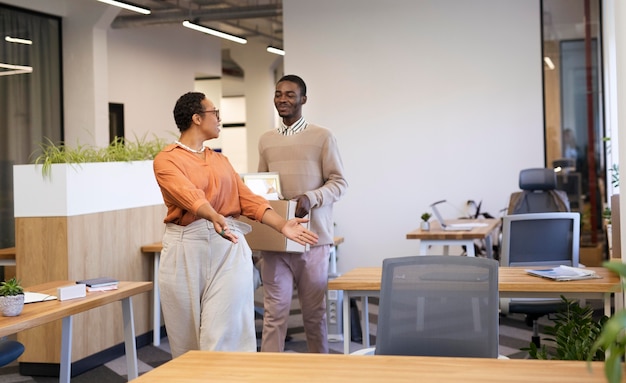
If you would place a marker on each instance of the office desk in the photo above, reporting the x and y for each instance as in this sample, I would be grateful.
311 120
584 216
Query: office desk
262 367
437 236
155 249
513 282
7 256
36 314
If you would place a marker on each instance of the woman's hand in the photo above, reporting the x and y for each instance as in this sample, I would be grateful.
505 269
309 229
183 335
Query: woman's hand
296 232
221 228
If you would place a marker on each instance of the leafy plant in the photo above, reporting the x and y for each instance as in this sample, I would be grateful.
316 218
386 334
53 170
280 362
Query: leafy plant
574 334
614 169
612 338
118 150
425 217
11 287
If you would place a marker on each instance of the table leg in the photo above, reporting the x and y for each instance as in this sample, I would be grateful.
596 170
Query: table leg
156 303
489 246
366 321
66 350
129 338
423 247
469 246
347 332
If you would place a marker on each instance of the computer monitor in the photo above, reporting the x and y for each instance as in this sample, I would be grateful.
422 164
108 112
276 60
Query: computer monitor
540 239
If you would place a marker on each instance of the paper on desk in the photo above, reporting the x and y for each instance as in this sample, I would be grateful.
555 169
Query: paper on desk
564 273
102 288
37 297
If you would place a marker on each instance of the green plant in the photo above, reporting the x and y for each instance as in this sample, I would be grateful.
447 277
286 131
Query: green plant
118 150
612 339
574 334
425 217
11 287
614 169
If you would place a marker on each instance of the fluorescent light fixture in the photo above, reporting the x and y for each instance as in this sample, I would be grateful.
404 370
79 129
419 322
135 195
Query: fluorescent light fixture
127 5
214 32
14 69
549 62
276 51
17 40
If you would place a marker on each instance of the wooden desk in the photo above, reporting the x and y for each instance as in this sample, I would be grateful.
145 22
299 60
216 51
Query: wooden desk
155 250
262 367
437 236
513 282
36 314
7 256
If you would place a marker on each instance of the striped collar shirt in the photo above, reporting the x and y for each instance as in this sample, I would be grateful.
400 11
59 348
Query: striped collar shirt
296 127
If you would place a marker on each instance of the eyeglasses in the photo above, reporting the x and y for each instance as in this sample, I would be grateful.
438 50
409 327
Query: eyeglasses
216 111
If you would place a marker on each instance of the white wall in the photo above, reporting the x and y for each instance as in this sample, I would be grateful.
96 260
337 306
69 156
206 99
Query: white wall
150 67
429 100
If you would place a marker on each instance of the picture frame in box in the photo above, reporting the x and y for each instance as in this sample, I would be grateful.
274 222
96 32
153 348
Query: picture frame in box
265 184
263 237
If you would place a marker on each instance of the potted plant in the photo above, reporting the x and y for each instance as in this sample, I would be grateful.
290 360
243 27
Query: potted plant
574 334
11 297
612 339
425 225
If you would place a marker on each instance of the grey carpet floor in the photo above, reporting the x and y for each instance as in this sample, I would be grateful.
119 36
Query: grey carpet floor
514 335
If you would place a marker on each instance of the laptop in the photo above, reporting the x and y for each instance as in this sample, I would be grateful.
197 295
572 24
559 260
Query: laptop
466 226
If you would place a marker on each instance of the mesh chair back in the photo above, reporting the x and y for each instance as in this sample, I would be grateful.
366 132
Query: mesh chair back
540 239
438 306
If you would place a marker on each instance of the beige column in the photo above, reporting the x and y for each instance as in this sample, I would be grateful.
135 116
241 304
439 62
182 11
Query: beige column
85 73
259 80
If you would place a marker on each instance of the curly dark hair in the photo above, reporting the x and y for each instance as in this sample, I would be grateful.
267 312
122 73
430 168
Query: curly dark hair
187 105
296 80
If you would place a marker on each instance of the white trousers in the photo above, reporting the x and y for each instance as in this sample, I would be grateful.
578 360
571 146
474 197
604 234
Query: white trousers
206 287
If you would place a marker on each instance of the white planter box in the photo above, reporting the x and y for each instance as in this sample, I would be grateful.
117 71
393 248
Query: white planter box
76 189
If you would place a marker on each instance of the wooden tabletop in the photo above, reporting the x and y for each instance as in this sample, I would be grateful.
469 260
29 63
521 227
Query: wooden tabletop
7 253
510 279
157 246
262 367
437 233
39 313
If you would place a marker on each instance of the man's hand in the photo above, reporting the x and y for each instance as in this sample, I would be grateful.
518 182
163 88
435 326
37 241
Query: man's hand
303 206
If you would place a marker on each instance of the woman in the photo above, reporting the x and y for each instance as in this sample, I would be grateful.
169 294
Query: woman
206 265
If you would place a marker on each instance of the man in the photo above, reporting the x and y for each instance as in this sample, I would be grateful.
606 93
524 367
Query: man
311 171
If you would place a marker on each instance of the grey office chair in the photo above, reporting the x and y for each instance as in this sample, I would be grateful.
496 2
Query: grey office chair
539 194
438 306
539 239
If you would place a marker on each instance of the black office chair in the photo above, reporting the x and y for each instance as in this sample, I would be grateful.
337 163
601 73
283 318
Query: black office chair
10 350
539 239
538 194
438 306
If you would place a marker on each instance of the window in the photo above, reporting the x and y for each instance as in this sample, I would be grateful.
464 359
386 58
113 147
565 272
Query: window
30 97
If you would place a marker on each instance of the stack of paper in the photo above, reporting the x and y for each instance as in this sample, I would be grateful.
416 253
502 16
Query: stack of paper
564 273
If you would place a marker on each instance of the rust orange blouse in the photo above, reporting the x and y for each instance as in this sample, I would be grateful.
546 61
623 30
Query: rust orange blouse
187 182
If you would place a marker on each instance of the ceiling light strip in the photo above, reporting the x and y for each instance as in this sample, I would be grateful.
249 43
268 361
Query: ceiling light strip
549 62
17 40
127 5
276 51
14 69
214 32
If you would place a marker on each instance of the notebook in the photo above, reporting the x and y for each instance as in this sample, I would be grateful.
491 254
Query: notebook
466 226
564 273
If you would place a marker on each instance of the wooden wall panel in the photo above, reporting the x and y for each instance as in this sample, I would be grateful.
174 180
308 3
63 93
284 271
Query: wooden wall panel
87 246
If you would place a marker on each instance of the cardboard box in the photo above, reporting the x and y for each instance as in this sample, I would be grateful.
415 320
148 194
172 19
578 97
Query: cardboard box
263 237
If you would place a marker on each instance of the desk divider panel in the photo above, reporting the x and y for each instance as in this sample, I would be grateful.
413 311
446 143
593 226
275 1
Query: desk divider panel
87 246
